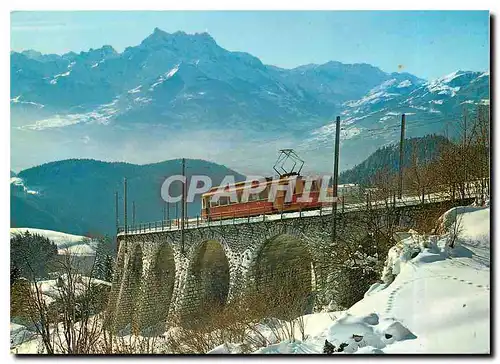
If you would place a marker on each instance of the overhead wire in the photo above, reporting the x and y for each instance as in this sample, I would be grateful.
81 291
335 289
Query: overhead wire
409 125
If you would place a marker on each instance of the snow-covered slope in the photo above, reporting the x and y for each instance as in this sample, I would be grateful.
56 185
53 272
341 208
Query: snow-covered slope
441 295
51 287
434 299
74 244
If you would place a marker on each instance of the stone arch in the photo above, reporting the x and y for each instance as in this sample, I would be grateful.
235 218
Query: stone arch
130 291
207 282
157 291
283 277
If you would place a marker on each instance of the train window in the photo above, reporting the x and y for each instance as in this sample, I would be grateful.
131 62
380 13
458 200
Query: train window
299 186
264 194
224 200
314 186
213 203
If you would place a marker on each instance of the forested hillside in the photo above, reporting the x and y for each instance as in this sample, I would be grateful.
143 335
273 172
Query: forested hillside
424 149
77 196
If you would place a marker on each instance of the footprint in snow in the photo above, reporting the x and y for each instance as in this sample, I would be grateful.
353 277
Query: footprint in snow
487 288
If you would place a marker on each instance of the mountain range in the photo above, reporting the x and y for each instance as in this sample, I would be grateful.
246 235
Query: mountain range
182 95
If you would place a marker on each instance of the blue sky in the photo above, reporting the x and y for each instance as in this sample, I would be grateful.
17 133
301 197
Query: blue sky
428 44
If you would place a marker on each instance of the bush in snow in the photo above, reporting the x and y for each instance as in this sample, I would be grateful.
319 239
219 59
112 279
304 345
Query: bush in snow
66 313
357 266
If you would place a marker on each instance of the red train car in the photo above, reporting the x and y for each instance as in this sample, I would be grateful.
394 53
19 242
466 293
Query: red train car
258 203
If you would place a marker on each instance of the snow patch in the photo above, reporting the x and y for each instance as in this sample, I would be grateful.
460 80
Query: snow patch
375 95
372 98
350 133
142 100
448 78
56 121
102 115
173 71
16 100
97 63
165 77
440 86
56 77
74 244
135 90
17 181
405 83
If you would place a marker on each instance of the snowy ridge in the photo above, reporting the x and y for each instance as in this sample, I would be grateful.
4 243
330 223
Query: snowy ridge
405 83
65 74
16 100
102 115
135 90
97 64
74 244
165 77
372 98
403 95
442 89
18 181
379 93
450 77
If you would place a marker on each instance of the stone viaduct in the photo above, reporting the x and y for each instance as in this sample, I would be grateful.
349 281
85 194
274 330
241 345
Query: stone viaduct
157 278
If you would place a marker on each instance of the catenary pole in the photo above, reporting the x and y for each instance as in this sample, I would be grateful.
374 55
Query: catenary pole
401 155
336 176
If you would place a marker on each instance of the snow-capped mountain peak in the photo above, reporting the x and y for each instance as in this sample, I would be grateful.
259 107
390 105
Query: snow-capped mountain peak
191 82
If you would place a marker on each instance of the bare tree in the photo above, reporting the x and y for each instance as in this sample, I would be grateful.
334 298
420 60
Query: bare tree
67 316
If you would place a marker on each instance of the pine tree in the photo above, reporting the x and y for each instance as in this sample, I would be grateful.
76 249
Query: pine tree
104 261
31 255
108 272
